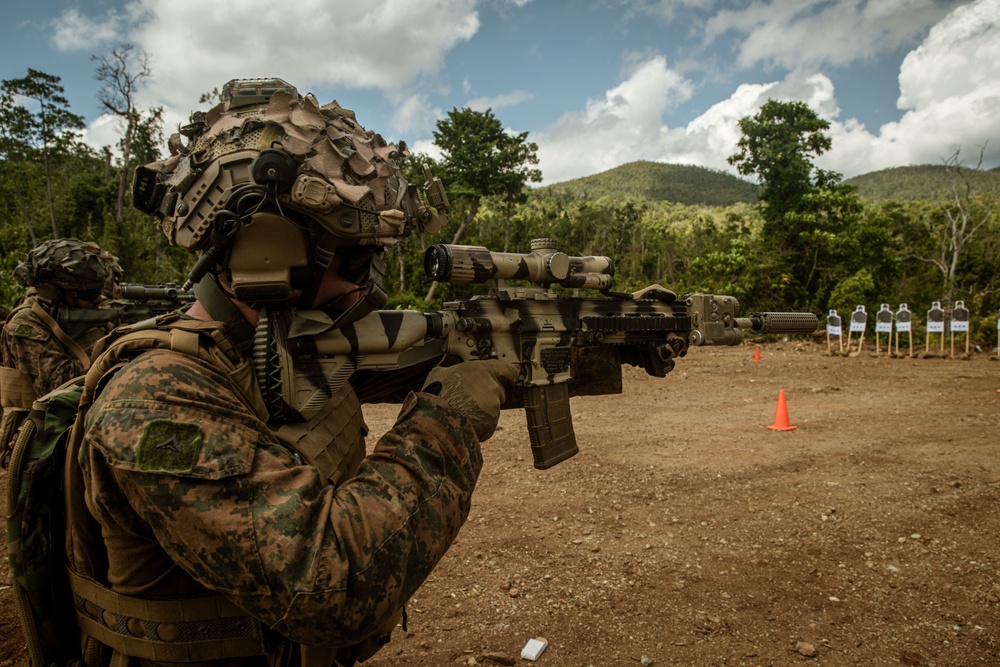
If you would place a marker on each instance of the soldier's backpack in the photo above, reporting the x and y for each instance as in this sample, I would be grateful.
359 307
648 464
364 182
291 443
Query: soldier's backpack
36 526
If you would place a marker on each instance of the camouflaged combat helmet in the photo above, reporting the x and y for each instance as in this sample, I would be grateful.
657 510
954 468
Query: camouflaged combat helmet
71 264
269 185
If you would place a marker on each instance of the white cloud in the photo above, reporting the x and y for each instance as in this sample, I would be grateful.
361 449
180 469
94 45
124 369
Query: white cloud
498 102
960 54
427 147
950 92
385 45
667 10
711 138
103 131
624 126
414 115
814 32
72 31
949 84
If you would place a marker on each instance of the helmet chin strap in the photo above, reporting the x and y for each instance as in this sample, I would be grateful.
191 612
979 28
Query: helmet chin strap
374 297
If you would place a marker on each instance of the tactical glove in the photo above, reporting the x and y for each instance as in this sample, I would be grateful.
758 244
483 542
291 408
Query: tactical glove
475 389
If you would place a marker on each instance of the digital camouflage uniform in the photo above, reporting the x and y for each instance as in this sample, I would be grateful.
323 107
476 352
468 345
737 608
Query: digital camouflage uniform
193 491
197 490
30 346
37 353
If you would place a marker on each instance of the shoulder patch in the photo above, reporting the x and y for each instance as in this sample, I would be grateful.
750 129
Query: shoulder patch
169 446
24 330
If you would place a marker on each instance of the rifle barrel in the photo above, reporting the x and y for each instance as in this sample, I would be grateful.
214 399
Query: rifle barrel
779 323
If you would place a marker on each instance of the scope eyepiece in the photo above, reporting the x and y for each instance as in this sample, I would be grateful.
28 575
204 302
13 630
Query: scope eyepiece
436 263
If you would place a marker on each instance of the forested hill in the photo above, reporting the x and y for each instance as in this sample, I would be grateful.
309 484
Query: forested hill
686 184
918 182
656 181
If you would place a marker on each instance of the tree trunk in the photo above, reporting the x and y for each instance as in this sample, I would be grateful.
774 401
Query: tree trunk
123 181
24 213
458 235
48 190
402 269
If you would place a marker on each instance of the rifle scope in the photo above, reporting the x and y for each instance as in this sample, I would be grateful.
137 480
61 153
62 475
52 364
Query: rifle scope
168 292
544 265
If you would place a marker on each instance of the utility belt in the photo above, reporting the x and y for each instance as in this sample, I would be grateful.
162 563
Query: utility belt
186 630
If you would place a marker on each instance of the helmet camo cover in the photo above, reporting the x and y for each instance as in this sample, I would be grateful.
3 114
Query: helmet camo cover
68 263
345 180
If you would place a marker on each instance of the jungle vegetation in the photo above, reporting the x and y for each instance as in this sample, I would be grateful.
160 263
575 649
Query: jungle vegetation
786 236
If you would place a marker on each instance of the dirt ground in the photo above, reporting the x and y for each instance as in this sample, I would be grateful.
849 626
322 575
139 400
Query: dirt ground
687 533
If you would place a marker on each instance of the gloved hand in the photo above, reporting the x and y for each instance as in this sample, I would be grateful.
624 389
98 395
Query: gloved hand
474 388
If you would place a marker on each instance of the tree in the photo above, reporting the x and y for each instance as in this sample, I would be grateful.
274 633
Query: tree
777 146
967 211
15 123
123 72
481 159
808 212
51 128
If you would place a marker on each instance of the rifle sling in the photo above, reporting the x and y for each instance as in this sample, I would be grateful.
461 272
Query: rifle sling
218 305
63 337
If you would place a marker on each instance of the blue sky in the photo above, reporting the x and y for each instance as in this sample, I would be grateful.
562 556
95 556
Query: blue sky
595 83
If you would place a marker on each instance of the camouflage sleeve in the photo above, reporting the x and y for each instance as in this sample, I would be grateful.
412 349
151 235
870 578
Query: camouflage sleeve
30 347
230 505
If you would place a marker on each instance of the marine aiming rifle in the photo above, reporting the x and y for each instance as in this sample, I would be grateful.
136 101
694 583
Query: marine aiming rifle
564 345
134 304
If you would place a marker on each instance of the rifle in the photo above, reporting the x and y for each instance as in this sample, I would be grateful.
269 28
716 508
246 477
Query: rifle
135 304
564 345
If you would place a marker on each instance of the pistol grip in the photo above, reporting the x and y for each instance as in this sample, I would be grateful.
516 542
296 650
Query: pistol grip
550 424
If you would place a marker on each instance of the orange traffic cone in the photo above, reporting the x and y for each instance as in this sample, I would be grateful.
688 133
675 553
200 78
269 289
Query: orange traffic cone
781 415
756 353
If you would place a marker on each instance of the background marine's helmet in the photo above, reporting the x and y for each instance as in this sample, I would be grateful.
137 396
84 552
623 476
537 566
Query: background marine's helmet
70 264
269 186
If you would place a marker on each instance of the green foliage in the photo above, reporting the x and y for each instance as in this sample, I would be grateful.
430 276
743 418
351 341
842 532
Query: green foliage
47 174
686 228
481 159
815 234
684 184
853 291
778 145
925 182
43 135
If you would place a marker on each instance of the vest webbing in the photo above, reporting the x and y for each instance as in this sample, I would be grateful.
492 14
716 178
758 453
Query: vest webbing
201 628
180 630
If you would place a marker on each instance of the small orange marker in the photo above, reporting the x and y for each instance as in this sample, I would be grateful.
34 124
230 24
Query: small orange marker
781 415
756 353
